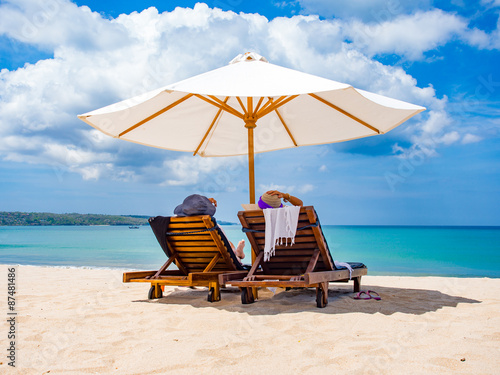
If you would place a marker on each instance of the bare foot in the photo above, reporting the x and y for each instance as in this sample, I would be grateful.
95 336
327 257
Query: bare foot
239 249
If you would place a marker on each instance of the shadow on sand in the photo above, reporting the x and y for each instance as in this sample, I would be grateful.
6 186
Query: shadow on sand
340 301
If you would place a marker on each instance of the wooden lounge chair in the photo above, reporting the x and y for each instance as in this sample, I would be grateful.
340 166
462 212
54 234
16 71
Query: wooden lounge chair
307 263
199 249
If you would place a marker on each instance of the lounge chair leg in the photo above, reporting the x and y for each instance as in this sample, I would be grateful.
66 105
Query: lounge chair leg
322 295
255 292
155 292
213 292
357 284
247 296
325 295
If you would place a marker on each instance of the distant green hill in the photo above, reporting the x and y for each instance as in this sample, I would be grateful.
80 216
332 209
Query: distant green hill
45 218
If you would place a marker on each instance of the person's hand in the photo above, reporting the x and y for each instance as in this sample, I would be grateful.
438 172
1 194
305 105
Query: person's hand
275 192
280 195
287 197
213 201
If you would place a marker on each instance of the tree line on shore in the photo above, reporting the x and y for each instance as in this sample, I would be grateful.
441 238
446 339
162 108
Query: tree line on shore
46 218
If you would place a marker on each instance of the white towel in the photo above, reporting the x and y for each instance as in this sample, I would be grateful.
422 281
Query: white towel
281 223
346 265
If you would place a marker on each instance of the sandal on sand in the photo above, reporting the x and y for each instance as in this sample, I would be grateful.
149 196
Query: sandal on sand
374 295
362 295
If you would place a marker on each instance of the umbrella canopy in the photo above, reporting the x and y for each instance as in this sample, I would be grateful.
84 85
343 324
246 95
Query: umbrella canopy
250 106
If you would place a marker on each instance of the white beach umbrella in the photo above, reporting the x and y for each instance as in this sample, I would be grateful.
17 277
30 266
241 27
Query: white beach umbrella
250 106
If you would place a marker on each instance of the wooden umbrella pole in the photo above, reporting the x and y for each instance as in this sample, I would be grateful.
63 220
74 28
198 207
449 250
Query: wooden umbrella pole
250 125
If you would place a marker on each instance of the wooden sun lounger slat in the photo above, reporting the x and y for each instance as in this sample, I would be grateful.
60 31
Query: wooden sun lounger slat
184 249
295 267
288 259
185 219
191 244
183 252
284 252
269 283
198 257
298 240
260 276
160 278
195 265
254 221
185 227
204 260
204 236
127 276
298 247
304 233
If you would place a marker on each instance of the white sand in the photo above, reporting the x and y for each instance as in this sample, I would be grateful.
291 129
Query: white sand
78 321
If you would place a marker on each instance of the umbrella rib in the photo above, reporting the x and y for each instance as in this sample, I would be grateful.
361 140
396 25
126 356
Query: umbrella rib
155 114
220 104
286 128
281 101
346 113
268 103
217 116
250 105
258 104
241 105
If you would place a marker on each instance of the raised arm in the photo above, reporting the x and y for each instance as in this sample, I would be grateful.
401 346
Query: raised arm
287 197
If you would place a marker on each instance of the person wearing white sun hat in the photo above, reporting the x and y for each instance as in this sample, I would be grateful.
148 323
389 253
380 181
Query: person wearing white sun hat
272 199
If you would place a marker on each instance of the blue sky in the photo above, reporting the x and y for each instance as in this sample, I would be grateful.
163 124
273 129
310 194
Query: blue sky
60 58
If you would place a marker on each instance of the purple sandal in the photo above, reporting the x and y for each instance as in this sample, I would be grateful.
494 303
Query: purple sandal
374 295
362 295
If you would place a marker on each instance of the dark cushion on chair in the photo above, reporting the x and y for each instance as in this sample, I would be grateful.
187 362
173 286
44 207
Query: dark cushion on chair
354 265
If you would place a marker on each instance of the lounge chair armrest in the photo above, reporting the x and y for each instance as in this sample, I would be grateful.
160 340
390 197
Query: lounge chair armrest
236 275
320 277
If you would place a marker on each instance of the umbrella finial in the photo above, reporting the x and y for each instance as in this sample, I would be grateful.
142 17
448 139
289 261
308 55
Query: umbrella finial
248 56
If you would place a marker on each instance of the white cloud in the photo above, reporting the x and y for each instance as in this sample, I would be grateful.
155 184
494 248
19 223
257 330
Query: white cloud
471 138
218 172
368 11
406 28
450 138
187 170
97 171
435 123
323 168
494 3
430 134
290 189
408 35
478 38
262 188
99 61
51 23
305 188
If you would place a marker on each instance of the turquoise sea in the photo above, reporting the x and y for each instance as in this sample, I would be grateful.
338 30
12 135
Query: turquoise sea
420 251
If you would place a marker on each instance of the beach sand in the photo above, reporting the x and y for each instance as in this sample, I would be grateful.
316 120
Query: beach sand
86 321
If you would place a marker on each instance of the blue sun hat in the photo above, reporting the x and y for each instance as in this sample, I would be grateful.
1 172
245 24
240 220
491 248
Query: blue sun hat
195 205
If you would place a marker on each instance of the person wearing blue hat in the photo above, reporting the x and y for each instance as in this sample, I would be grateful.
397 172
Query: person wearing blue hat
197 204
